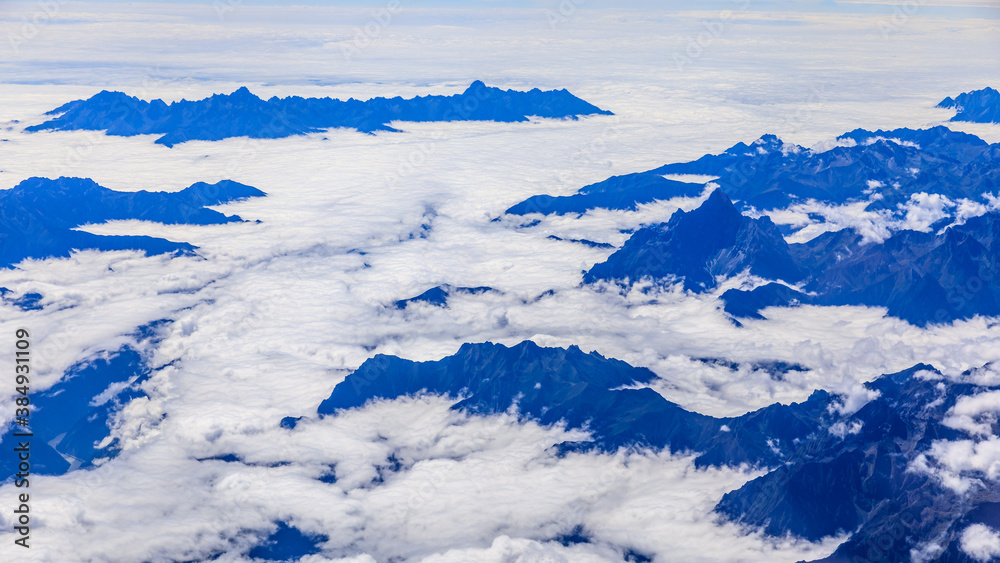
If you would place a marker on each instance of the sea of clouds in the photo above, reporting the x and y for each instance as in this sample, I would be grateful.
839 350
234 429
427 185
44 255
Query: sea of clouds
270 316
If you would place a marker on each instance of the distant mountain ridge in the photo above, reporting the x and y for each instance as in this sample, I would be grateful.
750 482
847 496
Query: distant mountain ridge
920 277
626 192
241 113
39 215
978 106
887 167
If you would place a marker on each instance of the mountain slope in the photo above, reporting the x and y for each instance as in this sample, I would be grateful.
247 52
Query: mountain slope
553 385
625 192
867 476
713 240
71 419
921 277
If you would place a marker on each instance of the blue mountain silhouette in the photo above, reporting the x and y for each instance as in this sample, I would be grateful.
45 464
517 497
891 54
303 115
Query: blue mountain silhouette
978 106
696 246
583 390
921 277
71 419
37 217
242 114
770 174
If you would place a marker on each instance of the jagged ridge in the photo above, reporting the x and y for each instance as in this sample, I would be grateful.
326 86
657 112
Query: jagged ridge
241 113
37 217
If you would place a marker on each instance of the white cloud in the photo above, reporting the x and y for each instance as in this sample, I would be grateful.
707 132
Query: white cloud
923 210
852 401
962 464
832 143
463 483
925 552
277 313
975 414
919 213
842 430
873 226
981 542
985 376
880 138
505 548
691 178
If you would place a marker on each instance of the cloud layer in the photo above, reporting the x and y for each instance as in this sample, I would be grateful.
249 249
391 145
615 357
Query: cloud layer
273 315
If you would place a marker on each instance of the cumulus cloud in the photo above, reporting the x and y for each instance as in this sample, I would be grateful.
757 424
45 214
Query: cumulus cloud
923 210
981 542
976 414
842 429
962 464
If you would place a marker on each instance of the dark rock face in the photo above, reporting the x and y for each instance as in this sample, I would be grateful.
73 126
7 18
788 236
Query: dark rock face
71 419
978 106
860 481
747 304
920 277
713 240
287 543
242 114
37 217
770 174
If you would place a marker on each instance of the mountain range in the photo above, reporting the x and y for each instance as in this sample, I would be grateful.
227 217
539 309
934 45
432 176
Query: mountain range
978 106
242 114
883 168
865 476
830 471
920 277
39 215
438 296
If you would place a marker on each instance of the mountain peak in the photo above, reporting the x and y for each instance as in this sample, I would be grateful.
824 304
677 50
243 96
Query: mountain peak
718 200
718 211
243 93
715 239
